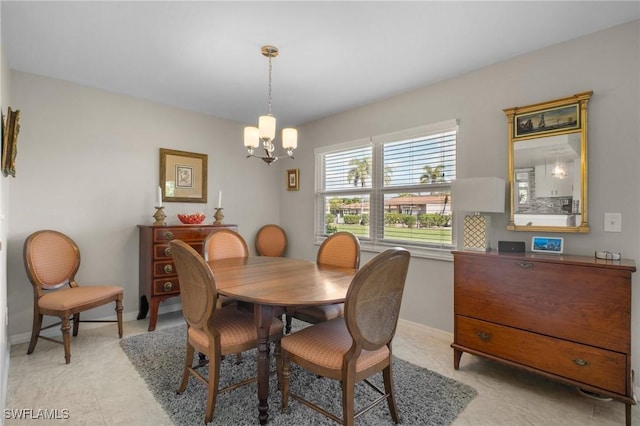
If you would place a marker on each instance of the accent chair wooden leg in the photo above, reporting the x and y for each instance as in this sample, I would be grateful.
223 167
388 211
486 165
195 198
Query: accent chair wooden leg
388 389
66 338
119 315
286 373
76 323
212 392
348 395
188 362
35 330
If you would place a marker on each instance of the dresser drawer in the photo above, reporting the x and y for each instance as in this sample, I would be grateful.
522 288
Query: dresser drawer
164 269
185 233
585 304
582 363
166 286
163 251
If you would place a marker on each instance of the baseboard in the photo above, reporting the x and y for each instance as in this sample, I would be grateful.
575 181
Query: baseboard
55 331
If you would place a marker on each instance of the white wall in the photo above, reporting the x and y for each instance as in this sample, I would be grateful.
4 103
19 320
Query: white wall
88 165
4 196
605 62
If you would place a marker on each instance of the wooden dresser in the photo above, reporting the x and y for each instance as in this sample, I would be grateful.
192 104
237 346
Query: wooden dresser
158 279
565 317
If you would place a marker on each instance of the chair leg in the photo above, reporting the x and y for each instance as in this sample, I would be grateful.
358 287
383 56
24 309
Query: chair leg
76 323
288 319
66 338
286 373
388 389
212 391
188 362
119 315
35 329
348 390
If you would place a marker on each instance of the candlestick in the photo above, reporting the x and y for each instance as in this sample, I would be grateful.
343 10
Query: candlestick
218 216
159 216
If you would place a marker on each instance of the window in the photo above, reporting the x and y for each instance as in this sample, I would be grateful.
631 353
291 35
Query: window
390 189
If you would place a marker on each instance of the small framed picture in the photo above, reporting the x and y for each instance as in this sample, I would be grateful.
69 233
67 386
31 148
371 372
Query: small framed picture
552 245
292 180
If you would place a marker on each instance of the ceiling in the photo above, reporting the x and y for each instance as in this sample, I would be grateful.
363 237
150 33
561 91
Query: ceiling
205 56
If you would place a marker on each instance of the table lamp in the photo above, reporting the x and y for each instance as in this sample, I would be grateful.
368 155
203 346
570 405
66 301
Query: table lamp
478 195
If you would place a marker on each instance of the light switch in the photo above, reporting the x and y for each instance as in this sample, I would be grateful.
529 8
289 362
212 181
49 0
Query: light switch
613 222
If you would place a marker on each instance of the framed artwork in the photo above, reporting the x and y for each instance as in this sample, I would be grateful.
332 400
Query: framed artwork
10 142
292 180
546 121
183 176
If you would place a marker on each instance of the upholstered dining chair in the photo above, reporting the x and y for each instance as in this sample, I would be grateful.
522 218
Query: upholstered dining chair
341 249
223 244
271 240
52 260
212 331
354 347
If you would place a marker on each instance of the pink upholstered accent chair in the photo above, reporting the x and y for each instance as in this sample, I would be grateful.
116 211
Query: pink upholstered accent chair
271 240
341 249
356 346
52 259
224 244
211 331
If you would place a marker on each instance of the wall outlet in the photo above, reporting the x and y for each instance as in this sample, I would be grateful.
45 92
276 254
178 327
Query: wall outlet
613 222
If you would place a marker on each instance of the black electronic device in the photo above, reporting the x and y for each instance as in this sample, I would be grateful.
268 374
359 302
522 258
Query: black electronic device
511 246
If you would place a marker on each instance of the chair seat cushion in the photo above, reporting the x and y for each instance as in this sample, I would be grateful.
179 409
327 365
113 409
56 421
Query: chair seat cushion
235 328
69 298
316 314
325 344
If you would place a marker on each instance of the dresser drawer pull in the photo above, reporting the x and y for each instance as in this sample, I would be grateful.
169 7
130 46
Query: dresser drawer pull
167 251
483 336
168 235
580 362
168 269
168 286
525 265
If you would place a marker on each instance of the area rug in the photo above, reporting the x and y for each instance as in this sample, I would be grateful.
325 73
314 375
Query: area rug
423 397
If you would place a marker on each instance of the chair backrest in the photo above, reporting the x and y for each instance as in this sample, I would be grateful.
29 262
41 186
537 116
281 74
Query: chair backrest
223 244
197 284
271 240
51 259
340 249
373 300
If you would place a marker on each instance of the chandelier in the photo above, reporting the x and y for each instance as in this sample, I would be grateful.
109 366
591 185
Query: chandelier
265 133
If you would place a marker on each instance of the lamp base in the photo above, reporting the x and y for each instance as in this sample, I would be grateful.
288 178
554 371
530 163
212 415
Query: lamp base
476 232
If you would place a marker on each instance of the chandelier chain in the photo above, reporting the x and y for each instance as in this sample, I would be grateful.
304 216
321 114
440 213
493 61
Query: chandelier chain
269 107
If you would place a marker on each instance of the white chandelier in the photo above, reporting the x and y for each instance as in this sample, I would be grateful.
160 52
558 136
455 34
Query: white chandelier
266 130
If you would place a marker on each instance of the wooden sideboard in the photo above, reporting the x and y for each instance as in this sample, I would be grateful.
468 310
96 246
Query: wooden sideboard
158 279
565 317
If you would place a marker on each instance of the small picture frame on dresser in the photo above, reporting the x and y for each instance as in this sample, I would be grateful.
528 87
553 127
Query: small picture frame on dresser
550 245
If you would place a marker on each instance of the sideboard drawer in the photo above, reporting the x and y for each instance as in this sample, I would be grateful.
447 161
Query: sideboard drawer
163 251
166 286
185 233
583 363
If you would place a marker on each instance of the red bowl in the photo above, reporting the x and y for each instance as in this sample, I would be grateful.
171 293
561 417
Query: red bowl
191 219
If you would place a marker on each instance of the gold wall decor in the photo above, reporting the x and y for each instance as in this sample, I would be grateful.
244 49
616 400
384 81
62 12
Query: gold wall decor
183 176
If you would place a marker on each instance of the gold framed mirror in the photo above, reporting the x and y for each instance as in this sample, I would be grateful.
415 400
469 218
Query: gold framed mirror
548 165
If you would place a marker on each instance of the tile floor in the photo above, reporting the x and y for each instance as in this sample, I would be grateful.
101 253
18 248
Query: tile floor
100 387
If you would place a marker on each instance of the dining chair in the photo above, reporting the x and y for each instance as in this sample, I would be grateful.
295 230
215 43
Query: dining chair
341 249
52 260
271 240
212 331
223 244
356 346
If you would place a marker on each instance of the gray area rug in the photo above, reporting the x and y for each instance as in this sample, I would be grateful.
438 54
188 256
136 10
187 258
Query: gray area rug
423 397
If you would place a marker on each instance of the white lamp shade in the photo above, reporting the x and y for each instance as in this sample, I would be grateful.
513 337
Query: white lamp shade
485 195
251 137
289 138
267 126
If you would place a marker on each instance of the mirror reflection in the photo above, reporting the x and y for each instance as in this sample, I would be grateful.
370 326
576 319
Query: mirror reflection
547 166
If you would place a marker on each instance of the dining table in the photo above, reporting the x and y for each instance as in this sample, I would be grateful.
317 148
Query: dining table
275 285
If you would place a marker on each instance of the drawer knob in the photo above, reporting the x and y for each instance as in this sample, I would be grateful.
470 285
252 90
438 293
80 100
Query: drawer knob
168 235
525 265
168 286
168 269
483 336
580 362
167 251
